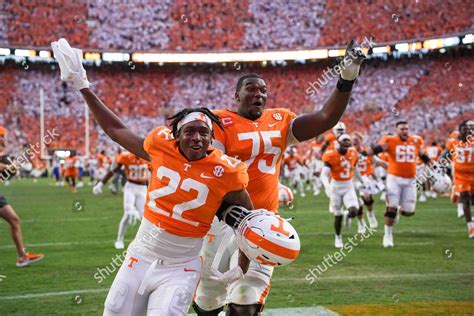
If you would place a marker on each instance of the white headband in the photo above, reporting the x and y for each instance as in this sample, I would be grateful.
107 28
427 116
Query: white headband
195 116
343 137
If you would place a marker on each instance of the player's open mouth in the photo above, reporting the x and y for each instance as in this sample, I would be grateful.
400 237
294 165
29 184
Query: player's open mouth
196 147
258 103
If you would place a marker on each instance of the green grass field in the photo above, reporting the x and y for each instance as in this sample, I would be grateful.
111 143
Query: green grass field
429 271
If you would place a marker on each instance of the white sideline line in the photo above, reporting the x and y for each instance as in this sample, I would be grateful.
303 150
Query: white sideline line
70 243
375 276
319 279
51 294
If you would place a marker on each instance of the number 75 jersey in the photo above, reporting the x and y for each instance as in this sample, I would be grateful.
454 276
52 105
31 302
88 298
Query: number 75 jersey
402 155
183 196
261 144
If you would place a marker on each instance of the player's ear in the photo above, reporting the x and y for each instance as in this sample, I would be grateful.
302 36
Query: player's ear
237 97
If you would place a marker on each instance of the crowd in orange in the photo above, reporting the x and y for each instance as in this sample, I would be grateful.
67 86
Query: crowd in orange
228 25
429 93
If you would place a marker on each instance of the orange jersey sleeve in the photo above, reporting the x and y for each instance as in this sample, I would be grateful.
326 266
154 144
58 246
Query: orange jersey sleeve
365 164
260 144
292 162
402 155
342 167
183 196
136 168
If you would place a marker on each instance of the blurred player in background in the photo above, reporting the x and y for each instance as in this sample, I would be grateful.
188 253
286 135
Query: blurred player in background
403 150
461 151
7 168
259 137
340 164
293 165
366 166
134 193
330 139
71 172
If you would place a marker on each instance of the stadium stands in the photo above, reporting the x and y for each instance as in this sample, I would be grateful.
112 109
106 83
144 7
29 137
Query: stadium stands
385 92
229 25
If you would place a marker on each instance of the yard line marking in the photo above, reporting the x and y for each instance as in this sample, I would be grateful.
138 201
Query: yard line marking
331 278
376 276
68 243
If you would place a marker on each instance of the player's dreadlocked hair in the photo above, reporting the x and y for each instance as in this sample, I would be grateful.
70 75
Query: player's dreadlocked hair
182 114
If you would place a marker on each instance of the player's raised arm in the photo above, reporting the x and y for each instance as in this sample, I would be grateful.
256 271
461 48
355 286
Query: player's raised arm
72 71
311 125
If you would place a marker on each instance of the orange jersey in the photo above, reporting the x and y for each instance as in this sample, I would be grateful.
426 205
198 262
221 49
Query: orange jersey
331 139
292 162
342 166
434 152
365 165
70 167
261 144
102 161
402 155
183 196
136 168
462 154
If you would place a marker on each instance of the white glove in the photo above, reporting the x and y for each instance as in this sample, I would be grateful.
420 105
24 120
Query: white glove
351 63
70 63
328 191
133 216
97 189
227 277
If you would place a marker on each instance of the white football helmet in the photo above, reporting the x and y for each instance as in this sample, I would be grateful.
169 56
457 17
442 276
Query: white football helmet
285 195
339 129
267 238
440 182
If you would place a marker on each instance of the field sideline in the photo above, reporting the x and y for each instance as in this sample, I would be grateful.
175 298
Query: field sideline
429 271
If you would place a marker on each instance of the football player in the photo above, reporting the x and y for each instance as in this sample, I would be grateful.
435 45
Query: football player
340 164
366 166
189 181
461 151
71 173
259 137
403 150
7 168
134 192
293 165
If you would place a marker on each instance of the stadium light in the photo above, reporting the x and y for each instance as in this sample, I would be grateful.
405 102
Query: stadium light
468 39
433 43
336 52
381 50
451 41
92 56
229 57
45 54
107 56
25 52
4 51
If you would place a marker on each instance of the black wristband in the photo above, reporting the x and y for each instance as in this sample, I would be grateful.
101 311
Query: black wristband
425 158
344 85
377 149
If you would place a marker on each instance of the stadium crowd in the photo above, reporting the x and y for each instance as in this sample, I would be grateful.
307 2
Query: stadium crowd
229 25
386 92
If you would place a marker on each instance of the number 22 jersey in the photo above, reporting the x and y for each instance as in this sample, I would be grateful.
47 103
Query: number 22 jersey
183 196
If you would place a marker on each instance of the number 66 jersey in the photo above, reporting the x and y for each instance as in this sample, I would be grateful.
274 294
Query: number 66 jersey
402 155
260 144
183 196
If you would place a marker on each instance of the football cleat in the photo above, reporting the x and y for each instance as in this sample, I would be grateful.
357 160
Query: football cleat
361 226
29 258
387 240
267 238
372 221
119 244
338 243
